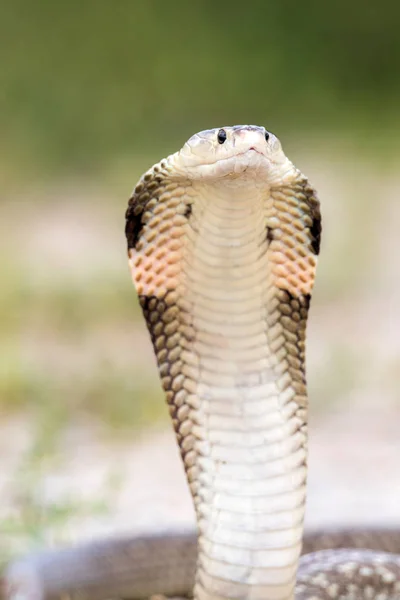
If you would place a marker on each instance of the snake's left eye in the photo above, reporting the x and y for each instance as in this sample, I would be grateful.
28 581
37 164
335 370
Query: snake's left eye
266 136
221 137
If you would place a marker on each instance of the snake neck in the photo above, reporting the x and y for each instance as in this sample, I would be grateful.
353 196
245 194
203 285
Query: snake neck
224 274
243 443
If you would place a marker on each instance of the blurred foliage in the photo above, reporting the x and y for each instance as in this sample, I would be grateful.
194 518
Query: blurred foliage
85 82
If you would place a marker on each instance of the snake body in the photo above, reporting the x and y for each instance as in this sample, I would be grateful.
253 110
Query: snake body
223 238
141 567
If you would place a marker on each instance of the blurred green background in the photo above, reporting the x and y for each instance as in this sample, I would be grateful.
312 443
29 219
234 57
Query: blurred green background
85 84
91 94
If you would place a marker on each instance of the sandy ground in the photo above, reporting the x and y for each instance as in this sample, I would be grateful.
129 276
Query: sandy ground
354 477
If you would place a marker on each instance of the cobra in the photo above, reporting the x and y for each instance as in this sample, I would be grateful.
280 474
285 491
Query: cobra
223 239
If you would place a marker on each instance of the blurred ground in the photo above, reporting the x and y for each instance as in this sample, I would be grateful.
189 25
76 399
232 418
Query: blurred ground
86 446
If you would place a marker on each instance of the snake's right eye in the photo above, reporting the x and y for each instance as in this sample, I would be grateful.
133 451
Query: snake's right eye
221 137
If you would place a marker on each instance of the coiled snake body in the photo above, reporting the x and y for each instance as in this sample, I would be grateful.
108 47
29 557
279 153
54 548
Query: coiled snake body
223 239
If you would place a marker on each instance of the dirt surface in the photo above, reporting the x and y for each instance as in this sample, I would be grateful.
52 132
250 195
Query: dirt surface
354 478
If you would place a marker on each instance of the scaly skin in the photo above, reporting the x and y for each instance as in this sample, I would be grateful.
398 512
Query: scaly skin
223 241
141 567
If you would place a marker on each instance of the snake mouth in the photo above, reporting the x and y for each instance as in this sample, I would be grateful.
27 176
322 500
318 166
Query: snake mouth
248 151
236 158
251 160
255 150
233 157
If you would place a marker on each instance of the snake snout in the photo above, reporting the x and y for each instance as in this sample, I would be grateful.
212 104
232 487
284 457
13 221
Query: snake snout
250 140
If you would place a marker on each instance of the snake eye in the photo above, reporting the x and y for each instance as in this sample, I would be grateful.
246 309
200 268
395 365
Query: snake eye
266 136
221 137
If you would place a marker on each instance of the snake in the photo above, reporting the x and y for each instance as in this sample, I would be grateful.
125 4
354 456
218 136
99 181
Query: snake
223 242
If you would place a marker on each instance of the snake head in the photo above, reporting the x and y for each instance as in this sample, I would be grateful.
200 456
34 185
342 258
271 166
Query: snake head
231 151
